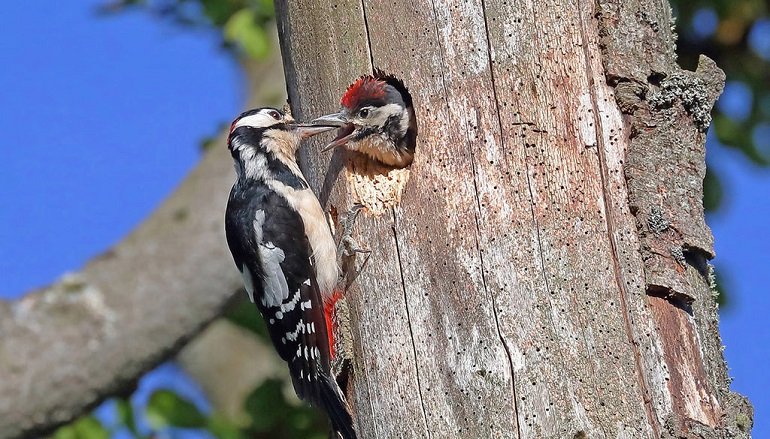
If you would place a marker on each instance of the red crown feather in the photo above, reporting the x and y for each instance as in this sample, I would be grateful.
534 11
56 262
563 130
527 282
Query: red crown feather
365 88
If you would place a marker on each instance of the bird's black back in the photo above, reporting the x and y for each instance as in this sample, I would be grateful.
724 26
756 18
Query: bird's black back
283 228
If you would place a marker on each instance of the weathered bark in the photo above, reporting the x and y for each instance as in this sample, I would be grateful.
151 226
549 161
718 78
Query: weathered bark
544 273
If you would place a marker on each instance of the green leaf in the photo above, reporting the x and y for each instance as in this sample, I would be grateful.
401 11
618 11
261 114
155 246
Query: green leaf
126 415
65 432
167 409
219 11
246 315
267 406
243 29
265 10
223 428
87 427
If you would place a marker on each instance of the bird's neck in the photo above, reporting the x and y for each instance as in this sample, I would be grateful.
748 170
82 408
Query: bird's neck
262 164
250 163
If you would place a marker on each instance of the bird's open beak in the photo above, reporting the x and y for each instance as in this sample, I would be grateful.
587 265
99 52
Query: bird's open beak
308 130
345 132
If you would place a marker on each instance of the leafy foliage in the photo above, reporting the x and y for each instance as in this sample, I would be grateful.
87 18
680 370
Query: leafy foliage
272 416
167 409
243 24
87 427
269 413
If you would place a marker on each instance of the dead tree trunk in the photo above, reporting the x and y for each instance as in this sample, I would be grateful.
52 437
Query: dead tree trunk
541 270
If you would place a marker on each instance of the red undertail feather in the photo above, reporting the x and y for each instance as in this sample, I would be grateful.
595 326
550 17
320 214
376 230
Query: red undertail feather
331 324
366 87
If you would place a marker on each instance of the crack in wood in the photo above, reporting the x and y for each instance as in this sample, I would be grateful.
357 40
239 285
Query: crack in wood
353 381
484 283
610 222
514 405
398 251
543 265
409 325
368 36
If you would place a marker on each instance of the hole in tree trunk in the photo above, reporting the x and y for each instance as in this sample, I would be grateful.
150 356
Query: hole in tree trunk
378 158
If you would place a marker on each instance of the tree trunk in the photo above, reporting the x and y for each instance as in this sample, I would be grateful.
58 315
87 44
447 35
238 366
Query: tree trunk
541 270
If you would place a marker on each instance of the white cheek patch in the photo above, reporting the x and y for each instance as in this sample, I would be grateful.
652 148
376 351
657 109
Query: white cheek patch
259 120
383 113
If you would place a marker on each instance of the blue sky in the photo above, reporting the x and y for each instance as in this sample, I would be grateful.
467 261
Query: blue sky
102 117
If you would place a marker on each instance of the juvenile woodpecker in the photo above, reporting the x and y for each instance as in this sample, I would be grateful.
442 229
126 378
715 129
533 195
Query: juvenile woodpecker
282 245
377 119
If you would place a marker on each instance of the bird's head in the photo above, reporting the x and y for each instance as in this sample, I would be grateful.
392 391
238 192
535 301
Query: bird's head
376 119
269 132
255 126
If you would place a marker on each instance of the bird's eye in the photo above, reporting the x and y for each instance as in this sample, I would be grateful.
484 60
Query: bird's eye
364 113
275 115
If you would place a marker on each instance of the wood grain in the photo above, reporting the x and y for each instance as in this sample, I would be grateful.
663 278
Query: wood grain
507 294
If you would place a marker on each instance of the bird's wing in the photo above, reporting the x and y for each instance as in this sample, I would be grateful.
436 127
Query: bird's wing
267 239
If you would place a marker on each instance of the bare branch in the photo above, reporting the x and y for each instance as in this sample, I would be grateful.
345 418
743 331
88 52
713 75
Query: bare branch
68 346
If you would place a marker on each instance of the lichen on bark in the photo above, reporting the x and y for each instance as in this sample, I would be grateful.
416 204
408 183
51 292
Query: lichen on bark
667 110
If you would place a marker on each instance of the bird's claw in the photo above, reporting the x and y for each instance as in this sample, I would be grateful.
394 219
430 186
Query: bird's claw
348 246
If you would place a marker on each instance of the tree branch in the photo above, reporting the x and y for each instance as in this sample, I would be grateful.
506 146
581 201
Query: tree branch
92 334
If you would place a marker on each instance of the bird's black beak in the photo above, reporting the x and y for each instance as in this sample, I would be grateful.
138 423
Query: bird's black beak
340 120
309 130
336 119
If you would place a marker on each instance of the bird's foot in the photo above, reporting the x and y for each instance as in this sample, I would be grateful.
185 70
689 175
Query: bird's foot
348 248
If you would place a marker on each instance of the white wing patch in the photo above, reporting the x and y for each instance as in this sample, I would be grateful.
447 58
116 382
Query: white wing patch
292 336
259 220
248 282
276 288
289 306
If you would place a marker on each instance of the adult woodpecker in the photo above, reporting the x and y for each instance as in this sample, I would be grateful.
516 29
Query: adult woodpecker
377 119
282 245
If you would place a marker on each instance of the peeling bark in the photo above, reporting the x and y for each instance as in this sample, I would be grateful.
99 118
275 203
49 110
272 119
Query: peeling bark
544 273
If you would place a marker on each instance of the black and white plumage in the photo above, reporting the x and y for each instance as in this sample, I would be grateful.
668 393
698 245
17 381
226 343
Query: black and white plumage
377 119
282 245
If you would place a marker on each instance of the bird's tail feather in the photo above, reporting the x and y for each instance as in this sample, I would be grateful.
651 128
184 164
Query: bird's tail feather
334 403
